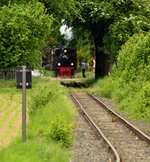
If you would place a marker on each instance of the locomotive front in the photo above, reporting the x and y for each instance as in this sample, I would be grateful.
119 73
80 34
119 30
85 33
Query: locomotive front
64 62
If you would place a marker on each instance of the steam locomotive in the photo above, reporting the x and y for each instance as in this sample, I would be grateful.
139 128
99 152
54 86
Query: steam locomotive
64 61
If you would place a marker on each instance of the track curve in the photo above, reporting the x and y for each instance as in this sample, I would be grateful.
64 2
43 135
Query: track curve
130 146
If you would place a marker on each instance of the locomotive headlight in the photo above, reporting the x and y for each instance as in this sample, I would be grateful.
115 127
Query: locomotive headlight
59 64
72 64
65 51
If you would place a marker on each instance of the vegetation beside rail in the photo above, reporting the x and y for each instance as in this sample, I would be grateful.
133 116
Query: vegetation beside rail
129 84
50 124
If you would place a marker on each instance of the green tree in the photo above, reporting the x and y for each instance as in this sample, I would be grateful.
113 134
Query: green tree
23 31
111 23
60 10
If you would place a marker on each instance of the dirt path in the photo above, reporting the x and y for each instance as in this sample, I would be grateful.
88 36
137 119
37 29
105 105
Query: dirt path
10 119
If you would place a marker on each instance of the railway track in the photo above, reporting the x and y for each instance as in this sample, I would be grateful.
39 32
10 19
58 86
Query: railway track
126 143
73 84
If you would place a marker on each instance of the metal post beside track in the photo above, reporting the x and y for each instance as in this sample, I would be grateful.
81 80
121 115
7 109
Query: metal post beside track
23 104
24 81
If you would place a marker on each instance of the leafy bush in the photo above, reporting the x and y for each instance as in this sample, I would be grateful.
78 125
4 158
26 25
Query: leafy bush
61 131
58 127
134 59
142 102
129 85
136 104
23 31
52 114
132 76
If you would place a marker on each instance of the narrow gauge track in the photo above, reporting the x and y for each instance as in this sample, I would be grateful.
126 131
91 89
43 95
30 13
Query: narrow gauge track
131 147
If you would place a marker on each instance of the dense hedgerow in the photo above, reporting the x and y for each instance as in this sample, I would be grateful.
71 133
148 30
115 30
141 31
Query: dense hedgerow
133 62
129 84
133 79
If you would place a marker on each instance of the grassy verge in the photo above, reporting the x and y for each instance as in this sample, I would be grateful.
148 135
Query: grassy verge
50 125
129 84
135 104
105 87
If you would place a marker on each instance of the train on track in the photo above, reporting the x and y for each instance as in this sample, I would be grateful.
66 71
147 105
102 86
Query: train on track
64 61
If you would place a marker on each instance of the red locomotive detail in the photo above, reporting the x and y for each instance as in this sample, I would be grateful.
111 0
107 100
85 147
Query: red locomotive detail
64 62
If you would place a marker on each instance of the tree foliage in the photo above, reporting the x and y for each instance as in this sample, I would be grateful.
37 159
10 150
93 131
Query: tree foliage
118 20
23 31
131 74
11 2
61 10
129 84
133 62
112 23
125 25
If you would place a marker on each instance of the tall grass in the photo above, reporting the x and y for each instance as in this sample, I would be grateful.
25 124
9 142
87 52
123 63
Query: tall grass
49 128
8 86
34 151
133 102
105 87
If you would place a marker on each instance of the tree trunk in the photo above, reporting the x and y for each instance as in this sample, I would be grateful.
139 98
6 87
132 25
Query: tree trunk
99 68
98 32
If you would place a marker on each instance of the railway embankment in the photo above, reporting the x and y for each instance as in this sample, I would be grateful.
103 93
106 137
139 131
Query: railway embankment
50 123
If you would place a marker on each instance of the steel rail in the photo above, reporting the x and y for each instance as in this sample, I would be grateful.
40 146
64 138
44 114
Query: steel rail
117 157
78 84
138 132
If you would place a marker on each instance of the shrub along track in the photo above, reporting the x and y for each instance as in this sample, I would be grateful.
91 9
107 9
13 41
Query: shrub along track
10 117
130 147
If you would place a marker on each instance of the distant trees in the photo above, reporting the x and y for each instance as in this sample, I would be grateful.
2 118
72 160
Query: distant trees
24 29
